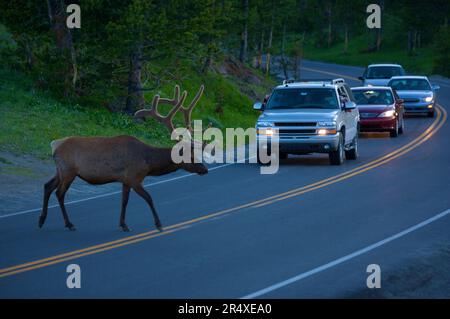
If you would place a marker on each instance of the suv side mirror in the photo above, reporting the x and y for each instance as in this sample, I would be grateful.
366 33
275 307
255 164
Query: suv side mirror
361 78
350 105
435 87
258 106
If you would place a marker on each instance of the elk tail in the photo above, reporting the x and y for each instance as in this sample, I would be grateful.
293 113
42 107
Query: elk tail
55 143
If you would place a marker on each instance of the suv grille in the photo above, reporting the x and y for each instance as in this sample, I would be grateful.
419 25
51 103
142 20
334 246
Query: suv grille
295 124
297 131
368 115
411 100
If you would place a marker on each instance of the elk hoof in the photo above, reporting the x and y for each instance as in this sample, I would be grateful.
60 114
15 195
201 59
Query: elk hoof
41 221
125 228
70 227
159 227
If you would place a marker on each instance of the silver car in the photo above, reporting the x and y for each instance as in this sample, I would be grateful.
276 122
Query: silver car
311 117
417 93
380 74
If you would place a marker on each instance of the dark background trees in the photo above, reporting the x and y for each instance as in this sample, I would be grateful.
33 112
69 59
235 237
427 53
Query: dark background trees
119 41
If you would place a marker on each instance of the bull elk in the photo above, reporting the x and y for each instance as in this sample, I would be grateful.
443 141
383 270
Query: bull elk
124 159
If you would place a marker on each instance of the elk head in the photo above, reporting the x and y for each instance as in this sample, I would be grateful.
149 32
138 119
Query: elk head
194 165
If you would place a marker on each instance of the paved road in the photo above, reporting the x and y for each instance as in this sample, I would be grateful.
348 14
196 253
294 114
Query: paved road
308 231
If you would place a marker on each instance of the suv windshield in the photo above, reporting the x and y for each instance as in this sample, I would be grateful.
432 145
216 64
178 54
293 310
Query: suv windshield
303 98
383 72
410 85
373 97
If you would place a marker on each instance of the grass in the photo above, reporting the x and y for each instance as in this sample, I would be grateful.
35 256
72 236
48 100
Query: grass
30 119
420 63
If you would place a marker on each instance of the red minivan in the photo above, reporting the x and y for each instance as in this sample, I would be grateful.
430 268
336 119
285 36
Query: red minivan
380 110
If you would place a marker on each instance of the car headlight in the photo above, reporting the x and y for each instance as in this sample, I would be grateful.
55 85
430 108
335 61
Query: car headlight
327 124
389 113
324 131
266 131
428 99
264 124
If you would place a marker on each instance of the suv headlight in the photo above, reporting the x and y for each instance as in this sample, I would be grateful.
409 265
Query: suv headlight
428 99
264 124
389 113
327 124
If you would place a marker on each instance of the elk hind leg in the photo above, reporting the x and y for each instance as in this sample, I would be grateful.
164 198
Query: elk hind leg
60 194
146 196
49 187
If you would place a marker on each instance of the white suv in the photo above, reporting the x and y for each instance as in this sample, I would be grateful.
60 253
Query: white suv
311 117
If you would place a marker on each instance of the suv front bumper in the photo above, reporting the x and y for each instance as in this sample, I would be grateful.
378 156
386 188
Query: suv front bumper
303 144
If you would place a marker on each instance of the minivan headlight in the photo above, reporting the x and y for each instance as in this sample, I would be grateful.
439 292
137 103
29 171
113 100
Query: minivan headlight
428 99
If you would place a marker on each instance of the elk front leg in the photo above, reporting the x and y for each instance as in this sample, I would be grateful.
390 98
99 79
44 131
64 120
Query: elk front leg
125 196
49 187
60 194
146 196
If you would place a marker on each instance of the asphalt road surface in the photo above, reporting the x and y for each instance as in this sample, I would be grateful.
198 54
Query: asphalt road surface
308 231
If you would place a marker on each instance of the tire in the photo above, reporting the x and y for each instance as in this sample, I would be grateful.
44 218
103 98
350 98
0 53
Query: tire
352 154
430 114
282 155
337 157
401 130
394 132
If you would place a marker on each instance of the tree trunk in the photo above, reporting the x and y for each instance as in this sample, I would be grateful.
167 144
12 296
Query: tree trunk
57 16
346 39
380 30
260 51
244 37
298 55
329 14
135 97
419 40
284 62
411 42
269 45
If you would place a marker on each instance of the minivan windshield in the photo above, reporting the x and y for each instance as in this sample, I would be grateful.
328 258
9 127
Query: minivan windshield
384 72
373 97
303 98
410 85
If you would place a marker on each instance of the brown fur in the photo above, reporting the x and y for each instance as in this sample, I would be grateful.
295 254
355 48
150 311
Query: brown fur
101 160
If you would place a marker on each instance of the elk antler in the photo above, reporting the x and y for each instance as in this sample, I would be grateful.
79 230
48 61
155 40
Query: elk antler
187 111
167 120
177 103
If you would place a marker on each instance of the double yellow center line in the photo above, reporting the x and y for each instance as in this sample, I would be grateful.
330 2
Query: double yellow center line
440 119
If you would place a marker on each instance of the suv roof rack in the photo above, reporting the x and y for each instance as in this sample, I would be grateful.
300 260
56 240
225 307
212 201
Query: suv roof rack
318 81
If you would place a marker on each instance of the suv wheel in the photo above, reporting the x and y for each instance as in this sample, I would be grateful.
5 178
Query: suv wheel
352 154
431 114
394 132
282 155
337 156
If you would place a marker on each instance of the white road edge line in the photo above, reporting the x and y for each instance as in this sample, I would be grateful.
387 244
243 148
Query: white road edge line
341 260
119 192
